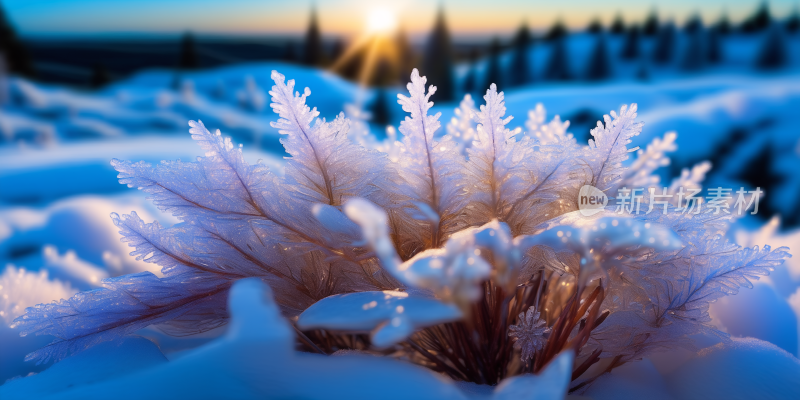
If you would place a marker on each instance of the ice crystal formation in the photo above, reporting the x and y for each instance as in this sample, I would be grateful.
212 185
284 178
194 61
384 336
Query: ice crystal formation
430 249
529 333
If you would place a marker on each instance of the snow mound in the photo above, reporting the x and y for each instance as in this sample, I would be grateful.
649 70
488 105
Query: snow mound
392 315
745 369
80 226
255 360
20 289
108 360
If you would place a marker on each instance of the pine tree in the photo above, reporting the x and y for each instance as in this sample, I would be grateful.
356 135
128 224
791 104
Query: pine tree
650 27
519 69
289 52
100 76
595 26
618 26
693 53
470 85
598 66
4 98
773 50
313 53
793 22
557 31
405 56
438 60
714 46
664 47
694 24
558 65
382 74
630 49
337 49
381 115
759 21
188 56
17 59
494 75
723 26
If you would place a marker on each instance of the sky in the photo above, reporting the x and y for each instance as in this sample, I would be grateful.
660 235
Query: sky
343 17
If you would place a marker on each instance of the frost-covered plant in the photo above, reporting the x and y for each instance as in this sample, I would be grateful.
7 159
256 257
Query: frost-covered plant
476 265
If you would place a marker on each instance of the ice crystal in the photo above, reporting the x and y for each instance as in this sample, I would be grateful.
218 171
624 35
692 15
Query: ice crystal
490 228
529 333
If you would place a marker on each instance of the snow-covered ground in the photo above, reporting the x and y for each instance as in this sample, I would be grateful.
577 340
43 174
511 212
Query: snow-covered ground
57 190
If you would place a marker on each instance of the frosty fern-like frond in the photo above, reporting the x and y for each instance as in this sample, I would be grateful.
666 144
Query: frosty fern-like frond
481 221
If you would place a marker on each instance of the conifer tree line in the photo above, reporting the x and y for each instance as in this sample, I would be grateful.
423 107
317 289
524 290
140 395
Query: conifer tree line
510 62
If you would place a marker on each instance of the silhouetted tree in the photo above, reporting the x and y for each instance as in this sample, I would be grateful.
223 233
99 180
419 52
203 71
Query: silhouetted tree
693 24
793 22
493 72
595 26
337 49
693 52
650 26
470 80
773 50
714 46
100 76
381 115
405 56
630 49
17 59
618 26
642 73
723 26
438 60
558 64
759 21
519 69
557 31
289 53
313 52
188 57
598 66
384 73
664 47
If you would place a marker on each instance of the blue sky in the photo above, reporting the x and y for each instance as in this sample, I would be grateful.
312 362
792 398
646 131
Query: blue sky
343 17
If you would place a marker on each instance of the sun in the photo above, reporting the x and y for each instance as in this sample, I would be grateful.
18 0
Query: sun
380 20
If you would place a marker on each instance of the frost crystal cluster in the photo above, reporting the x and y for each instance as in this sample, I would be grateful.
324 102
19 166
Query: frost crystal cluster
462 252
529 333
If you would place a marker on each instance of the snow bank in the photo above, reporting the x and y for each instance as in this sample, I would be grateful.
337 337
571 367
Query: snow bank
746 369
255 359
106 361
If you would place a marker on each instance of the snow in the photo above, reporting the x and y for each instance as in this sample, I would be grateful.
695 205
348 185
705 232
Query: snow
254 359
76 168
391 315
104 362
744 369
738 371
80 227
759 313
20 289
